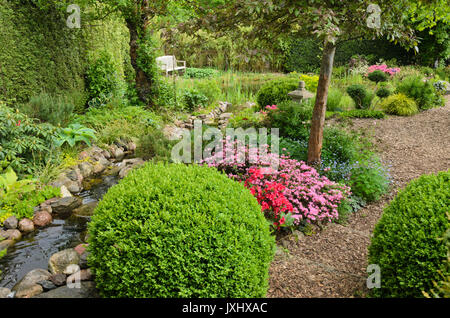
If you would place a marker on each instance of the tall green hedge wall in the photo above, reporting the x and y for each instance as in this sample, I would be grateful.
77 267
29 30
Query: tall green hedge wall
304 55
40 53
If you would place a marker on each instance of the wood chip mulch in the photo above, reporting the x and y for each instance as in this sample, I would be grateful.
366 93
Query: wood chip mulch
333 262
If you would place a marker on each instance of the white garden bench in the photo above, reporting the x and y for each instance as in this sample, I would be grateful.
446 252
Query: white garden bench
169 63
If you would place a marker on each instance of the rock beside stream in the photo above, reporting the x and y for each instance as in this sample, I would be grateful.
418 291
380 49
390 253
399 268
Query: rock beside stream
86 290
63 207
5 244
58 262
13 235
42 218
28 286
26 226
11 223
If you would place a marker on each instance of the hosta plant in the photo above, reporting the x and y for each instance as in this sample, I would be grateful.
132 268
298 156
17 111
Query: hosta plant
75 133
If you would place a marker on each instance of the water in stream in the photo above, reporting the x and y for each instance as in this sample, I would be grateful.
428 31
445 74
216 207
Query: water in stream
35 249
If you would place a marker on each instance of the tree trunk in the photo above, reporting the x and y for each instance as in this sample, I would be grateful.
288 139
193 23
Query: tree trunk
318 118
143 82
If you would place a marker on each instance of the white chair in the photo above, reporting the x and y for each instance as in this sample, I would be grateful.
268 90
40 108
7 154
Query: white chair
169 63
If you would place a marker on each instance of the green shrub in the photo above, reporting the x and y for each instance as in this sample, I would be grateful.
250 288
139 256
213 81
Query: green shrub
193 98
424 93
192 72
154 145
291 118
276 91
377 76
443 73
369 180
442 288
406 243
102 78
383 92
399 104
360 95
23 143
19 197
180 231
248 117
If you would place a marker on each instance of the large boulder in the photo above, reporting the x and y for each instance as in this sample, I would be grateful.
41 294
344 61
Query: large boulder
58 262
85 290
28 286
63 207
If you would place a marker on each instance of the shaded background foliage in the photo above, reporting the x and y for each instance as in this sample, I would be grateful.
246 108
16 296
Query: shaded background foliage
40 53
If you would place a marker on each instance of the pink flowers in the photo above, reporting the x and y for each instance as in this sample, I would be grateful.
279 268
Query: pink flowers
273 107
292 194
384 68
270 196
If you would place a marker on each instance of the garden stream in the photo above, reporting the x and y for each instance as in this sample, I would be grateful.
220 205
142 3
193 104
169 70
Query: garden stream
35 249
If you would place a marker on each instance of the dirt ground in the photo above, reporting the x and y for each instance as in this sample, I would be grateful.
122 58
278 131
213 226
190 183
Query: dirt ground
333 262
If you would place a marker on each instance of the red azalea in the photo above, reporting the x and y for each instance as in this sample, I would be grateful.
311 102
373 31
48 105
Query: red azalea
18 124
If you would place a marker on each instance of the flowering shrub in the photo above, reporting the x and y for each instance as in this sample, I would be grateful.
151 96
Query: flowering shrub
312 198
273 107
384 68
274 204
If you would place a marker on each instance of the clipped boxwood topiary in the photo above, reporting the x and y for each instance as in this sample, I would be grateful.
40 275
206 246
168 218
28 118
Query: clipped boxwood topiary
399 104
377 76
276 91
180 231
360 95
406 242
383 92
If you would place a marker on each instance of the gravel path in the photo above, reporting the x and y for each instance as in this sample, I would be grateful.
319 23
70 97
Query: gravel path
333 263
